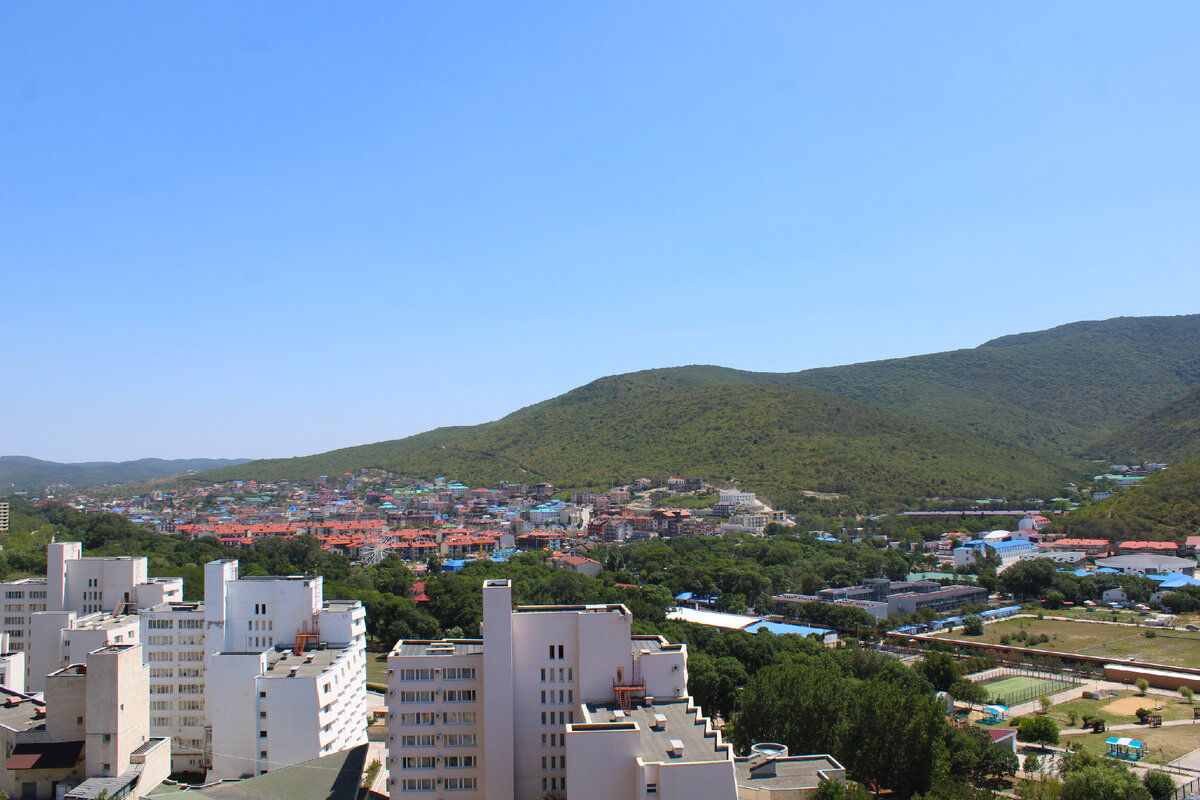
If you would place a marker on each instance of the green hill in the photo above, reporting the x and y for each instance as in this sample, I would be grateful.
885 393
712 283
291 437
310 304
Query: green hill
1059 390
981 410
25 474
1165 505
1170 433
778 440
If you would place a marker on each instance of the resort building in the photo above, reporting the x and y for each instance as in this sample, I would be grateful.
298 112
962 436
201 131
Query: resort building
551 699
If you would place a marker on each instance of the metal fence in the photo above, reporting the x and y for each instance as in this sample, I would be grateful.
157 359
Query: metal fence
1189 791
1063 680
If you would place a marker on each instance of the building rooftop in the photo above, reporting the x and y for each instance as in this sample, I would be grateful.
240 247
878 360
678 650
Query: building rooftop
20 712
789 772
309 665
662 725
437 647
332 777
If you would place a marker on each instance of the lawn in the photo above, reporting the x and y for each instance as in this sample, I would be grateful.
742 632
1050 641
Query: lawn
376 667
1172 708
1170 647
1165 744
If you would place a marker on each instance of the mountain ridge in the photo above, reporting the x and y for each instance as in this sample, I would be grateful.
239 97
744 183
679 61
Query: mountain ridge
25 473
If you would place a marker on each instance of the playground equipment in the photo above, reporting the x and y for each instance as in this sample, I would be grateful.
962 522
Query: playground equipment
994 714
1124 748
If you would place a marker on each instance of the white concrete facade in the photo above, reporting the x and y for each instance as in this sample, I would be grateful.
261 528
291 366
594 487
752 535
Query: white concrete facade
492 718
206 660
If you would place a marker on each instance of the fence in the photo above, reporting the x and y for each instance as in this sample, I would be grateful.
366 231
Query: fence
1188 791
1061 680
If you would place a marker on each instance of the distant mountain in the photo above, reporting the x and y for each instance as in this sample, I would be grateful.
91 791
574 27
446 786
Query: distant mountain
1004 418
24 474
1170 433
778 440
1165 505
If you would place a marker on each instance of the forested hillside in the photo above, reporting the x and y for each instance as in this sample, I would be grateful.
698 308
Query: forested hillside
1170 433
773 439
962 423
1163 506
24 474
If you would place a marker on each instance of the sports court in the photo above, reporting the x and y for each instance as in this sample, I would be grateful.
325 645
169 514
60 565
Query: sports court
1015 689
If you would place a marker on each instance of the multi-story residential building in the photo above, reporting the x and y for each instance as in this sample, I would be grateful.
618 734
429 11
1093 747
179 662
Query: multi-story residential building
62 638
202 654
87 588
3 517
89 736
551 698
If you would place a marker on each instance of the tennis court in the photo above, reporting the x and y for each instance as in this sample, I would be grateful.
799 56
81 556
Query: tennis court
1016 689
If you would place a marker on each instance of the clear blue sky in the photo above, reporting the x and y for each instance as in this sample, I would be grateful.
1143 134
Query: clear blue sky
271 229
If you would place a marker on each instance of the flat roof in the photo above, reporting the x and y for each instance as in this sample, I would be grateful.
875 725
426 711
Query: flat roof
681 725
22 715
437 647
791 772
309 665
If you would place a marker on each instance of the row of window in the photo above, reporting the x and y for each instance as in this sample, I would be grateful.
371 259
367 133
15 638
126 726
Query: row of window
427 674
429 740
564 717
556 762
568 694
167 624
430 762
563 675
184 688
184 705
449 696
429 718
430 784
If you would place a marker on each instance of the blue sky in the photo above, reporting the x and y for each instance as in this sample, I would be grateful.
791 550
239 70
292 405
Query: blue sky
273 229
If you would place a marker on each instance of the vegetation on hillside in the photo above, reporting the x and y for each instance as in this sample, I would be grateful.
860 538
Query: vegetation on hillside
776 440
24 474
1169 434
1165 505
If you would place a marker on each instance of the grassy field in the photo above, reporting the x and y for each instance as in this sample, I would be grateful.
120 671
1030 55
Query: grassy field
1022 688
1172 708
1172 647
1165 744
376 667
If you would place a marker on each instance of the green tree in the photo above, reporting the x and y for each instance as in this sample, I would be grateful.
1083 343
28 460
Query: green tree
1186 693
973 626
1103 783
1044 703
1159 784
939 669
968 691
1038 730
1142 685
1032 764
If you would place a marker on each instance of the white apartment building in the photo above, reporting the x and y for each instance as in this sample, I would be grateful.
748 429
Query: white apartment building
83 586
529 709
202 655
62 638
736 497
12 666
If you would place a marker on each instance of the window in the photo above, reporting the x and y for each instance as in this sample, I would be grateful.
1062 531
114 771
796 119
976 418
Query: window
411 675
461 762
417 718
460 740
262 715
417 785
262 753
543 717
262 734
543 696
191 623
560 652
418 762
416 697
543 675
459 674
164 624
459 695
455 784
551 652
460 718
160 722
651 788
417 740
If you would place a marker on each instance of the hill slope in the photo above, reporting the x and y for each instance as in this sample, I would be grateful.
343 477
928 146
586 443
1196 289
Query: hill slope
1164 506
24 474
1170 433
1059 390
774 439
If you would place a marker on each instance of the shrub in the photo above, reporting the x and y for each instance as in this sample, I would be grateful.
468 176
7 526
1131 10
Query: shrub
1151 633
1142 685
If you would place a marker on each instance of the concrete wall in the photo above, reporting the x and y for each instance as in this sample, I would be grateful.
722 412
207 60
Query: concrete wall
232 706
499 691
604 762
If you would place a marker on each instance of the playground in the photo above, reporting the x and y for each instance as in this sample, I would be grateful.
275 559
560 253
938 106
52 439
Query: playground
1015 689
1157 745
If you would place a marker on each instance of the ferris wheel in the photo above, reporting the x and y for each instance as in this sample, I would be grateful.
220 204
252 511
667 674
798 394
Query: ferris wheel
374 550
